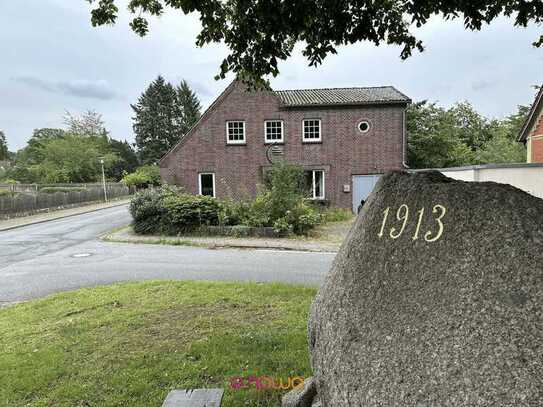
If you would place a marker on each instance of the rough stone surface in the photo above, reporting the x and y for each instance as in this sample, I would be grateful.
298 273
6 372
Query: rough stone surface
303 397
453 322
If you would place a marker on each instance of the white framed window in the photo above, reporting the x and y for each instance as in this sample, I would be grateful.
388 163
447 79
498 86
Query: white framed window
206 184
273 131
235 132
311 130
314 180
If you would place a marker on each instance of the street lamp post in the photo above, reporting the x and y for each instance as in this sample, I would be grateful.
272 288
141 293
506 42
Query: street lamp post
103 179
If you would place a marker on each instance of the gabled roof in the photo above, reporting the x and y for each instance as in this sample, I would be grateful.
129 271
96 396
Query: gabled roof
341 96
308 98
533 116
202 118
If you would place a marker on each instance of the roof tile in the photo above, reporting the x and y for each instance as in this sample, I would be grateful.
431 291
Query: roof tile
341 96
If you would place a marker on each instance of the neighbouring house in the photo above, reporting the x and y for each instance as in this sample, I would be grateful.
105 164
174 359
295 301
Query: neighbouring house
531 133
342 137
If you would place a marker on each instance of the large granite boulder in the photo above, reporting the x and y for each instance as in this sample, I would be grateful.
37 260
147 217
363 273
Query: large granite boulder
435 299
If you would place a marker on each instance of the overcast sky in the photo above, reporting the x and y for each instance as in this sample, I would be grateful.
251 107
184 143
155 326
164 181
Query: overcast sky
52 60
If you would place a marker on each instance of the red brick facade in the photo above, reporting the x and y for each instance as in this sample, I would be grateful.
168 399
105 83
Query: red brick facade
537 149
536 142
531 133
343 152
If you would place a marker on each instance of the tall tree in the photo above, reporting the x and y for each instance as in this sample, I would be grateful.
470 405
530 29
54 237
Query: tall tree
157 121
501 149
260 33
127 162
433 138
439 137
89 123
4 153
472 128
190 106
31 154
73 158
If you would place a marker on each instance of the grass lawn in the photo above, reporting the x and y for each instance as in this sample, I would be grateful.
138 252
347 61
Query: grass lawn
130 344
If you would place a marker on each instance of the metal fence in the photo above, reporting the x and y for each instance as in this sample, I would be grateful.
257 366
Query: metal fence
26 199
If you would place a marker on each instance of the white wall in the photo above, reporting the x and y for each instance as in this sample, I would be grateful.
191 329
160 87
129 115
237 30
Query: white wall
528 177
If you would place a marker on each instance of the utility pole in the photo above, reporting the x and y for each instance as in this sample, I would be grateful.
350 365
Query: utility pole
104 178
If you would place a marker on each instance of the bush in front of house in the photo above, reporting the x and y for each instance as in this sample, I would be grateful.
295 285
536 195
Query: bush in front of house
4 192
171 211
185 212
280 205
147 210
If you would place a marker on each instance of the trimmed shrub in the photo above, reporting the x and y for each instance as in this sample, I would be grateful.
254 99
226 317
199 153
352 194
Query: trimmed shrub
4 192
186 212
147 210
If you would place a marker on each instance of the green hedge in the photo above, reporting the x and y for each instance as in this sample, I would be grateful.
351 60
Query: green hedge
4 192
167 210
186 212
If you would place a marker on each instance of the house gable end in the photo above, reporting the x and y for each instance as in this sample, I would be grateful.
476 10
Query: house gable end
533 118
203 118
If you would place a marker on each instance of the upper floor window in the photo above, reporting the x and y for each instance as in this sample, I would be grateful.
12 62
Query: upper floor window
311 129
235 132
273 130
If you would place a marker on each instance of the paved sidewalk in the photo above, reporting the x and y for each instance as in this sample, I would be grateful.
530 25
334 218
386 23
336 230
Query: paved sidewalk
328 244
58 214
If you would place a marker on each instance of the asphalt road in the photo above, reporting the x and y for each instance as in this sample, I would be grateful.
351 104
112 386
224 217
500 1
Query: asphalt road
67 254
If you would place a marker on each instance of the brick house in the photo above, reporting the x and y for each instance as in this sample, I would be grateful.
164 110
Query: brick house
531 133
343 138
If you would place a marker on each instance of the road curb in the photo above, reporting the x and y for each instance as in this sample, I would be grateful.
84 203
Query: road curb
110 237
60 217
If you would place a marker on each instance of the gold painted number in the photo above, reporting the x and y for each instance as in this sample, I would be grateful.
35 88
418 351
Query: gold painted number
385 216
436 209
401 216
417 230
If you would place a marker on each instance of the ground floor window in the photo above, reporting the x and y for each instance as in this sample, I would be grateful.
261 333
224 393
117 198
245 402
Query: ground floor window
314 181
206 183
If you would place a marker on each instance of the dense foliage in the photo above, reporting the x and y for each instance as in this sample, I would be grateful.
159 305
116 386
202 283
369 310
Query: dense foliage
439 137
147 210
4 153
163 114
143 177
261 33
73 154
168 210
281 204
190 106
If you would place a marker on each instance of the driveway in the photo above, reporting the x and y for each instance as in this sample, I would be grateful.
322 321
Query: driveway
67 254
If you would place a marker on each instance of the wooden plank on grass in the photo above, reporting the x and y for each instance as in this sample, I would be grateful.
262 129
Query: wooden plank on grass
194 398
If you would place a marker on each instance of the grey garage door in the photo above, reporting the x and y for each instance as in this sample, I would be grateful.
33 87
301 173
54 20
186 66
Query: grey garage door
362 187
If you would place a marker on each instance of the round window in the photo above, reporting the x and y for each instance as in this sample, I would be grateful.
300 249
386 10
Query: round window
364 126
